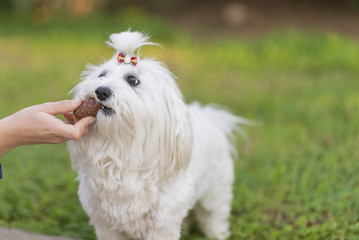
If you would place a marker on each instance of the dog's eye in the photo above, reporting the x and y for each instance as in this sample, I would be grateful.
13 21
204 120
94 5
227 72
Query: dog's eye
102 75
133 81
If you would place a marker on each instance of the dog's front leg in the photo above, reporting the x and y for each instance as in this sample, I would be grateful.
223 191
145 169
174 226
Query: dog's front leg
165 233
104 232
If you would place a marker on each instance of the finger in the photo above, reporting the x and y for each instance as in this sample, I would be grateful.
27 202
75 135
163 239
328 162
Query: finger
63 106
69 116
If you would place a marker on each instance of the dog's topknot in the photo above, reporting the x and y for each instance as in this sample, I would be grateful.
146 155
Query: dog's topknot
128 42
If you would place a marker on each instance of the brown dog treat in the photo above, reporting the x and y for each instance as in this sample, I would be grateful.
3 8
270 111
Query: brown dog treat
88 107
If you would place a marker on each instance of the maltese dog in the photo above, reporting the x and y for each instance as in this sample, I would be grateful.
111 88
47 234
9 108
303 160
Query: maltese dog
150 160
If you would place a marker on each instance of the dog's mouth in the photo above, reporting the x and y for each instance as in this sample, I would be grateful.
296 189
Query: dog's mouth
107 110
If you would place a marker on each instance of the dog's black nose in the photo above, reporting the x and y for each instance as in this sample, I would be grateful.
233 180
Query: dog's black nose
103 93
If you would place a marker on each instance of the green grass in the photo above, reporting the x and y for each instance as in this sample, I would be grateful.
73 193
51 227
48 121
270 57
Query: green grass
297 178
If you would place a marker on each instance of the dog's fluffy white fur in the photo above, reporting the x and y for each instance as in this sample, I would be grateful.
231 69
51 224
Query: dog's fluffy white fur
150 159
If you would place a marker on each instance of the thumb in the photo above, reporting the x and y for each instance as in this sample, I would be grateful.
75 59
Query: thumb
63 106
79 129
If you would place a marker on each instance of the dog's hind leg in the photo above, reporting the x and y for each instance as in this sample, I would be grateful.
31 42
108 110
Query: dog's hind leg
213 223
214 208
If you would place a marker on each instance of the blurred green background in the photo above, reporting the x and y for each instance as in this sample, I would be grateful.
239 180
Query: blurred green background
292 65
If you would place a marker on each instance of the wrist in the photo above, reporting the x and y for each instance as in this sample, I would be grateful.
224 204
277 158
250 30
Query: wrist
7 135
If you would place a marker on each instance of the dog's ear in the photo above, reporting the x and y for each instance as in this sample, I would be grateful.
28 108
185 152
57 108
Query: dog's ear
177 132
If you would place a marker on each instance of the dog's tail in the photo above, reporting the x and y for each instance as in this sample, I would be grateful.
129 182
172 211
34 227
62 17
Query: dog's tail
226 121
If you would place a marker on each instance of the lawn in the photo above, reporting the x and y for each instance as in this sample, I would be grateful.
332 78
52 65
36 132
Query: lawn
297 176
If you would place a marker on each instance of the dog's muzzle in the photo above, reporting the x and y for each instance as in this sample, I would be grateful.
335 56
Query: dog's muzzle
104 93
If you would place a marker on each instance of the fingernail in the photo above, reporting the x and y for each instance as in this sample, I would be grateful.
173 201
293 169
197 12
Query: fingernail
76 101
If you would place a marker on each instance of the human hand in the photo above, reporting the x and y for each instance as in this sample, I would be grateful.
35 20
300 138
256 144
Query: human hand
38 124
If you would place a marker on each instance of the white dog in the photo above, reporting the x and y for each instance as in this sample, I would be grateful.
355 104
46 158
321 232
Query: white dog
150 158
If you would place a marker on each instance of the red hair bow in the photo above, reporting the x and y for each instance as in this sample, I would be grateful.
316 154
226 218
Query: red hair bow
121 58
